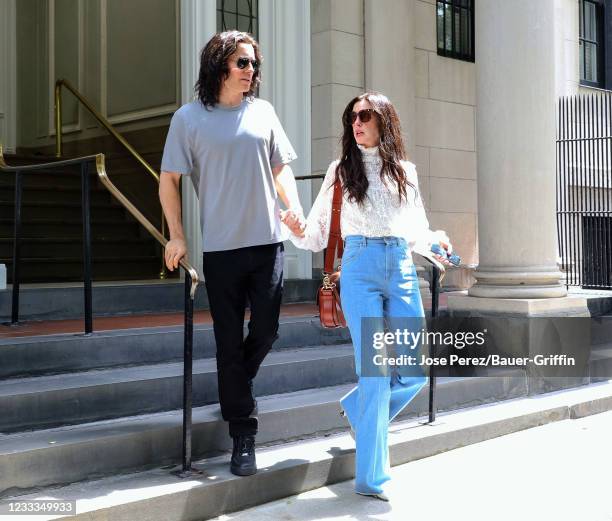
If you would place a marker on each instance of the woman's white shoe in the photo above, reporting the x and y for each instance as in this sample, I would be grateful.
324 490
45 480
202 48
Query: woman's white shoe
382 496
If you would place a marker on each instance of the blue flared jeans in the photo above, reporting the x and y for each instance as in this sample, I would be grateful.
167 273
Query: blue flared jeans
378 281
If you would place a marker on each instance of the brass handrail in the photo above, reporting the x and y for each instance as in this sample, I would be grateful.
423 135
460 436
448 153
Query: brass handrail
127 204
101 169
108 126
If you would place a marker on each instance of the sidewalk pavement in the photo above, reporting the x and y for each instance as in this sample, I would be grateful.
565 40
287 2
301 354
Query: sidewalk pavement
561 471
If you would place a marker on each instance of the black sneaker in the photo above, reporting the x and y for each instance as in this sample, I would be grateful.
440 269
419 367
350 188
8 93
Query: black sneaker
243 456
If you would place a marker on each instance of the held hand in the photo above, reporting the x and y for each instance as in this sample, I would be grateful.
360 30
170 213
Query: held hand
293 221
175 250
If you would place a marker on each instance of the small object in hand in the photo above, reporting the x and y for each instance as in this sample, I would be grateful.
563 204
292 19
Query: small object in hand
455 260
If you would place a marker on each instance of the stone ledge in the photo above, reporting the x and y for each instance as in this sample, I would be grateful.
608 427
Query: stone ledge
304 465
563 306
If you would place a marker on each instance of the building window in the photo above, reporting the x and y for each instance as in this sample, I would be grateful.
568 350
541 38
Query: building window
455 20
238 14
591 43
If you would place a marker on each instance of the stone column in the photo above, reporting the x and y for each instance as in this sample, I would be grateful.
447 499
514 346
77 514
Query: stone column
515 86
517 278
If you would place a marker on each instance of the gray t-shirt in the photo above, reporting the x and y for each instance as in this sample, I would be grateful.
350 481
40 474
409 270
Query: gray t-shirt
229 154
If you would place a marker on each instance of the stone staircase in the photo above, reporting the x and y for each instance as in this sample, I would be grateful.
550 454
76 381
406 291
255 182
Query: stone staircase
51 247
91 410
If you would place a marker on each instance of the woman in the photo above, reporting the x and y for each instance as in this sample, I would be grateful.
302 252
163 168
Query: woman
382 220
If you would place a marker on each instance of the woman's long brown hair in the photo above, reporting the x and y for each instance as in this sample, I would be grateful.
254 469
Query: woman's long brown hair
351 171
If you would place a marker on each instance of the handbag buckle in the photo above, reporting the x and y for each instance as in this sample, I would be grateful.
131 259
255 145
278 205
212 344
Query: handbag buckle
327 283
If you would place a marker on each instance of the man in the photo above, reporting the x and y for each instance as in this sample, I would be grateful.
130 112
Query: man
236 152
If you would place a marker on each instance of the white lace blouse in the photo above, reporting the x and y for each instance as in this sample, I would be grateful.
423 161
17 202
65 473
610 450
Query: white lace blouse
380 215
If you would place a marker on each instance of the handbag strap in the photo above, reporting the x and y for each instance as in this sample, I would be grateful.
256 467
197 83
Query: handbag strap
335 237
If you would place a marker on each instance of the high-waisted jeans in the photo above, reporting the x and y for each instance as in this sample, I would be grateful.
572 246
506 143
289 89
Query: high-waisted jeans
378 279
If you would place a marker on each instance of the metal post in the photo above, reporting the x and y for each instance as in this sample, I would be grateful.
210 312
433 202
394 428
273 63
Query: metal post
187 376
162 270
435 287
16 247
85 203
58 120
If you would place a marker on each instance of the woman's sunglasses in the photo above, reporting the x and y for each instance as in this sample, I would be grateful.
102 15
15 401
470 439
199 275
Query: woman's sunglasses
243 63
364 115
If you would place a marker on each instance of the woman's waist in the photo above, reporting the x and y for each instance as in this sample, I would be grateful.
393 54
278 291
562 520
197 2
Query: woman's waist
364 240
373 254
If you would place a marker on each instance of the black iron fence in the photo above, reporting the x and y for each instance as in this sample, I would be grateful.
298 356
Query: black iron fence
584 189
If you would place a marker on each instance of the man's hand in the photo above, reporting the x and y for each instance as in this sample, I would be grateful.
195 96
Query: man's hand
176 249
293 221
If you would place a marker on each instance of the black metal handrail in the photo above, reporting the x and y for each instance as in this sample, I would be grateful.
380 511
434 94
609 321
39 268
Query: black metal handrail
19 171
437 274
191 278
306 177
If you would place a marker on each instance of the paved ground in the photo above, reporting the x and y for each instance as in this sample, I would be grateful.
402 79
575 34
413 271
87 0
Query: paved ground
561 471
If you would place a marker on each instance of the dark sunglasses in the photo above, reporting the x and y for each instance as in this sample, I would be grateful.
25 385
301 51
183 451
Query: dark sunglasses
364 115
243 63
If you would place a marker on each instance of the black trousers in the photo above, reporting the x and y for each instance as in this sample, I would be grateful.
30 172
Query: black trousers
233 276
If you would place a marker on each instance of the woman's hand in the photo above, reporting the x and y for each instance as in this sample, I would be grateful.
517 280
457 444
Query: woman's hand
445 243
293 221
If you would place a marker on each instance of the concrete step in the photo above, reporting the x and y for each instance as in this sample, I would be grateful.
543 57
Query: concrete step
33 194
55 248
49 401
291 468
53 354
600 363
70 454
601 329
51 227
48 179
70 210
60 269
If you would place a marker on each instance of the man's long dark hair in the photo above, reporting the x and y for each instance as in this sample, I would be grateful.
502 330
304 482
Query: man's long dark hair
351 171
214 69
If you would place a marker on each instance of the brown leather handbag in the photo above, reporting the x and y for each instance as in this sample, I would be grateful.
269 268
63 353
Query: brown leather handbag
328 296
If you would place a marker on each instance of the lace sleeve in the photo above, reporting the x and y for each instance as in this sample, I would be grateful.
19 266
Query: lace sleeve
421 234
316 233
